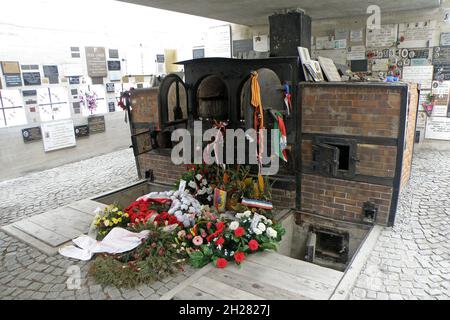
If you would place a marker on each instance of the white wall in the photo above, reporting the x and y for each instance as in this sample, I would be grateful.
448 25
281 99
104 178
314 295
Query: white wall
18 158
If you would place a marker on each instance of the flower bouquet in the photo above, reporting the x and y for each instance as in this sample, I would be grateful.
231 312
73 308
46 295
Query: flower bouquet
108 218
220 242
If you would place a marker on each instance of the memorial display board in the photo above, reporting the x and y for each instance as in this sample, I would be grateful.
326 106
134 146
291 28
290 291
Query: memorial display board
58 135
96 62
31 134
31 78
438 128
96 124
81 131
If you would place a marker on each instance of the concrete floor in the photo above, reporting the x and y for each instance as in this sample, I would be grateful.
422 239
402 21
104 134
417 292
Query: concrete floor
410 261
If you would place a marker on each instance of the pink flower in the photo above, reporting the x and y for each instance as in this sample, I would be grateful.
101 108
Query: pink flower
198 241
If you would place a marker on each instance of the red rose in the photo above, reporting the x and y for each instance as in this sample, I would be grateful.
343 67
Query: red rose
220 241
239 232
239 256
253 245
219 226
209 225
221 263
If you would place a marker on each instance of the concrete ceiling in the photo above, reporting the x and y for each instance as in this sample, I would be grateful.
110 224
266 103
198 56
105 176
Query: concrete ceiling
255 12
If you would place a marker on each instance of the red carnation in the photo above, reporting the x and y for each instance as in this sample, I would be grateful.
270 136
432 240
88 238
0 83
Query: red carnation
239 232
220 241
208 225
239 256
253 245
221 263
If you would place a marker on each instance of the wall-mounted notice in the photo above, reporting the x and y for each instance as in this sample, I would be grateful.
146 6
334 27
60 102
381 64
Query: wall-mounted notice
440 98
58 135
31 134
384 37
438 128
10 67
445 39
261 43
380 65
74 80
31 78
13 80
113 54
324 43
441 63
424 97
356 53
417 34
218 42
96 61
341 34
241 47
356 36
422 75
81 131
51 72
421 119
113 65
340 44
96 124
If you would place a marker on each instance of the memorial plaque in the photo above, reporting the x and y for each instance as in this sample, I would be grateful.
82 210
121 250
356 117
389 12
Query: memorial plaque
110 87
29 93
96 62
58 135
96 124
76 107
74 92
200 53
113 54
111 106
10 67
242 46
31 78
13 80
97 80
160 58
31 134
113 65
82 131
52 73
74 80
31 101
76 55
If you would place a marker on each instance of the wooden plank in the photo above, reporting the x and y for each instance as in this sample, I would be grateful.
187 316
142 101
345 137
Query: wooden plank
87 206
343 289
40 233
264 290
191 293
286 281
297 268
222 290
169 295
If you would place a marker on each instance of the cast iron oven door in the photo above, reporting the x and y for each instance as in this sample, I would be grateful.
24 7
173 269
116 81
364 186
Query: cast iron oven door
334 157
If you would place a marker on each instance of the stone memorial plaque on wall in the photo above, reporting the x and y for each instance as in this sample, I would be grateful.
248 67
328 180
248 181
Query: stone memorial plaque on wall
31 78
74 80
74 92
113 65
58 135
97 80
10 67
113 54
81 131
52 73
76 107
111 107
110 87
96 124
29 93
13 80
31 134
96 62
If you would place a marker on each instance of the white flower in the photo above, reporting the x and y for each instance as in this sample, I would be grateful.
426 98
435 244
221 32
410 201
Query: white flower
234 225
204 182
209 198
238 215
106 223
247 213
184 207
192 184
262 226
271 233
257 232
198 177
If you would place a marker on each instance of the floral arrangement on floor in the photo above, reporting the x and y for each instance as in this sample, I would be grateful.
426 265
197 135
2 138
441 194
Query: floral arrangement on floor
200 182
223 241
182 230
